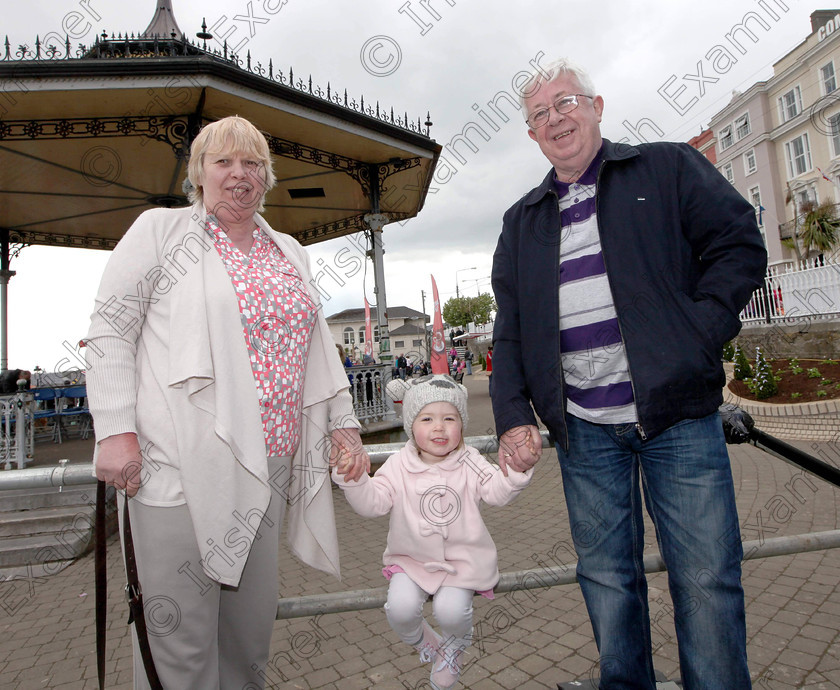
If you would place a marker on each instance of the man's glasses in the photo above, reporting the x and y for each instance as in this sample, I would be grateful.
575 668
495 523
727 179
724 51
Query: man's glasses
563 105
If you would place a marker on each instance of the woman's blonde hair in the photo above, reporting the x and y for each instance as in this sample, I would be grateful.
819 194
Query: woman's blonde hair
233 134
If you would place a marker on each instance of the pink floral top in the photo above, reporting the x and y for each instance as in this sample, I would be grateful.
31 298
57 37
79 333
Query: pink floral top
278 316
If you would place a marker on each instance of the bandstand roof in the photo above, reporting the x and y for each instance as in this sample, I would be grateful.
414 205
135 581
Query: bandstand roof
90 138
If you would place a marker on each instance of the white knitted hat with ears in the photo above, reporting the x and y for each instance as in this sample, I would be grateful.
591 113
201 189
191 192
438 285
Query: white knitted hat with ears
417 393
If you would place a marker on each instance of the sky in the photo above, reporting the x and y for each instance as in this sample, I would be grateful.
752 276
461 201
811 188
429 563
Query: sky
663 68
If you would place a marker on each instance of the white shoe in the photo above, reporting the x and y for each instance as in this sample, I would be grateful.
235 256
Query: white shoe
447 669
429 644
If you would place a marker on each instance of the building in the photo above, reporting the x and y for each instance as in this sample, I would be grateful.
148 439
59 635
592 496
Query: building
705 144
407 329
747 157
778 142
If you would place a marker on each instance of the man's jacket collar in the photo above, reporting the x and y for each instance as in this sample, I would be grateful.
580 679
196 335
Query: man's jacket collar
610 152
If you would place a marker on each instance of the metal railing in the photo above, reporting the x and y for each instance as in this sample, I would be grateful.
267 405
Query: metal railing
509 582
542 578
371 402
17 438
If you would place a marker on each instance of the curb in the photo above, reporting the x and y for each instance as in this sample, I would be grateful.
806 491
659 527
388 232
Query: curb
808 421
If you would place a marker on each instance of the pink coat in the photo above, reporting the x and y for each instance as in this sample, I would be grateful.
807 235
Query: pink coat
437 535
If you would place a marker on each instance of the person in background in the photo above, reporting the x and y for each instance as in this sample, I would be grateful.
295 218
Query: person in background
208 399
618 280
9 380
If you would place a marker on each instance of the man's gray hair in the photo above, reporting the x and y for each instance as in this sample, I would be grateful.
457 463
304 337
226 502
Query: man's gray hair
552 71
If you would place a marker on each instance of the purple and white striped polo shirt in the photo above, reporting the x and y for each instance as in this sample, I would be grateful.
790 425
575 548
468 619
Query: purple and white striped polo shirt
594 361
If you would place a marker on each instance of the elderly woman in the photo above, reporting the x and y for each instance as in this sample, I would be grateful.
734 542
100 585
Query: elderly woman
217 399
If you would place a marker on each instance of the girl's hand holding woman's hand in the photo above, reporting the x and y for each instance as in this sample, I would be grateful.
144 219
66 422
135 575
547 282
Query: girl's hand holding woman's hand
348 454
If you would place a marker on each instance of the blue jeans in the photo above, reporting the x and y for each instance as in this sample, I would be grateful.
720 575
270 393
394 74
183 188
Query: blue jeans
686 480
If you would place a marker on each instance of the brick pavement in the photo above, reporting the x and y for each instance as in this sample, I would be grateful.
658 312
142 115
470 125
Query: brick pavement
526 640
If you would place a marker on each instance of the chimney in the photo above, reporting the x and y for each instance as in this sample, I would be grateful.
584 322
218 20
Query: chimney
819 18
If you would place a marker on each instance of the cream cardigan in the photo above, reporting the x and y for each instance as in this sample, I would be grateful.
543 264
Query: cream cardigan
169 362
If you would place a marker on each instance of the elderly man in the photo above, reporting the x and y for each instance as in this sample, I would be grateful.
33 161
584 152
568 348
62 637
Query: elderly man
618 280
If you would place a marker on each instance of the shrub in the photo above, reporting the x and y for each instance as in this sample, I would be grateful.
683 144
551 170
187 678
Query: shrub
763 384
743 370
728 352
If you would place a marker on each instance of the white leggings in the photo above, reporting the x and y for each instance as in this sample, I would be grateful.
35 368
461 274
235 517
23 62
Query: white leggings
452 607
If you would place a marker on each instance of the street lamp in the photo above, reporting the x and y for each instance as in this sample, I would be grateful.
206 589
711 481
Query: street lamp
457 293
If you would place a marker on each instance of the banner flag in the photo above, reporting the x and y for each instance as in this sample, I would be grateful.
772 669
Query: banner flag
368 331
440 365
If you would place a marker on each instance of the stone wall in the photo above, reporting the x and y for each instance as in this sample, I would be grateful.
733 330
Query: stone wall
803 338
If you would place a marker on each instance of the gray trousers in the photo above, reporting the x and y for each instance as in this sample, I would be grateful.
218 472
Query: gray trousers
203 634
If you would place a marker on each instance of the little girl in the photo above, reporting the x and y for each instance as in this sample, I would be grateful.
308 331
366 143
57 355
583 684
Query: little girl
437 541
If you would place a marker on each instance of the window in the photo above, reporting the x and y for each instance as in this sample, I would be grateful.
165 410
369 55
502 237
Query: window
399 343
728 174
790 104
806 198
416 343
834 133
749 162
829 82
798 154
348 336
362 335
755 200
742 126
376 333
725 137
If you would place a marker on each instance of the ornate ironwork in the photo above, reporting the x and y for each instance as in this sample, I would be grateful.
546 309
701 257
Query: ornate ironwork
172 130
139 47
340 227
28 237
334 161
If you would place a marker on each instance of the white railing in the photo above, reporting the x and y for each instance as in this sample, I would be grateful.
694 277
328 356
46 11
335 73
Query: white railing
17 439
809 290
367 386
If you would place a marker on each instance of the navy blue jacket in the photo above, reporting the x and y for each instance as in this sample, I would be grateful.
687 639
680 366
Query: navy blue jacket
683 256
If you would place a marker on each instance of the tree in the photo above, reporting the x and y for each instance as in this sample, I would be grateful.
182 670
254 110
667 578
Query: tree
817 227
743 370
819 230
459 311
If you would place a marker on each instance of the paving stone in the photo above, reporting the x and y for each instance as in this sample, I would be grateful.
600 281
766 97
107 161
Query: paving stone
532 639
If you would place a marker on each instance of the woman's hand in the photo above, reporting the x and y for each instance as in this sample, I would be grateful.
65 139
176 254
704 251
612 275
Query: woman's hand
348 454
119 462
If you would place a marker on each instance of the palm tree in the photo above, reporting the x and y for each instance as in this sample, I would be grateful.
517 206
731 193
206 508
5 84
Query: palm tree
820 230
817 226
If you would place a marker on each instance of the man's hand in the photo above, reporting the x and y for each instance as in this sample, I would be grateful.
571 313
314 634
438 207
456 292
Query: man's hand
119 462
348 454
519 448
